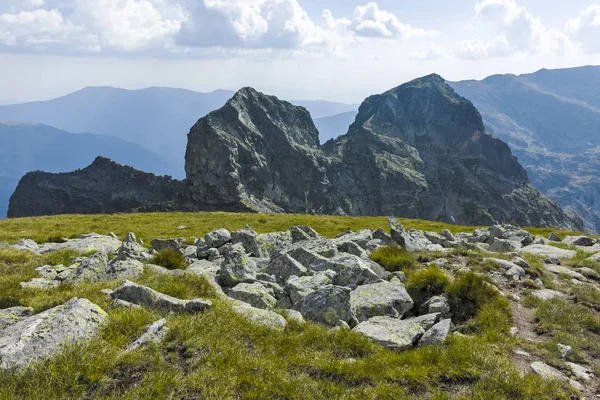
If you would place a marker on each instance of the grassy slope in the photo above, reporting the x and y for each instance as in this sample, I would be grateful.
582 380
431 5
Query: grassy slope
164 225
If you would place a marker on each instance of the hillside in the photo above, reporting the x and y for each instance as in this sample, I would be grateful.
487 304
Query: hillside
292 314
32 147
551 121
155 118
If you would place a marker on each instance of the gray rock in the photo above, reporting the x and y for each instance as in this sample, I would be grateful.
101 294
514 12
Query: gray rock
547 372
274 242
351 270
385 237
306 257
392 333
565 351
521 262
302 233
583 241
360 238
435 238
447 235
548 251
201 249
213 254
548 294
374 245
553 261
26 245
427 321
248 239
554 237
259 316
411 240
503 245
436 304
88 243
10 316
321 247
167 244
217 238
480 236
380 299
237 268
254 294
97 269
207 270
144 296
300 287
44 334
295 316
131 248
581 372
557 269
40 283
438 333
154 333
351 248
285 266
123 305
508 268
328 306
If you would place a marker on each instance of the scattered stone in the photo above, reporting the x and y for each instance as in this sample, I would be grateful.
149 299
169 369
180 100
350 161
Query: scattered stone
167 244
259 316
217 238
427 321
522 353
438 333
328 306
237 268
40 283
300 287
447 235
392 333
154 333
565 351
380 299
89 243
521 262
124 305
352 248
436 304
548 251
302 233
504 246
144 296
514 331
285 266
581 372
247 238
44 334
553 261
26 245
583 241
295 316
557 269
352 271
385 237
11 316
548 294
411 240
554 237
547 372
254 294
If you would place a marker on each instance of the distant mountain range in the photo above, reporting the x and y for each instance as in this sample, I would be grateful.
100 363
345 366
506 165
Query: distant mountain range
29 147
155 118
551 121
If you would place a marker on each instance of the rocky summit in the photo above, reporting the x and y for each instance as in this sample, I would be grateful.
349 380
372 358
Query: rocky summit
417 151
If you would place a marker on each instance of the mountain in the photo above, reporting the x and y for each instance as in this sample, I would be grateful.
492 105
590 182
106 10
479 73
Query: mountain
104 187
551 121
28 147
417 151
334 126
155 118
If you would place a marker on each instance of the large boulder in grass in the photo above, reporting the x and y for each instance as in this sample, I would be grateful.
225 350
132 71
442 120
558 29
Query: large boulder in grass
329 305
352 271
259 316
583 241
88 243
97 268
300 287
548 251
217 238
380 299
437 333
248 239
237 267
410 240
392 333
167 244
254 294
11 316
285 266
144 296
44 334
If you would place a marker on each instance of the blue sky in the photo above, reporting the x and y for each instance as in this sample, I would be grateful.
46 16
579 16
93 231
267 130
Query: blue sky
339 50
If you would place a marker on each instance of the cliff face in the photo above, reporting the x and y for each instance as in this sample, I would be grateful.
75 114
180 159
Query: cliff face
417 151
101 188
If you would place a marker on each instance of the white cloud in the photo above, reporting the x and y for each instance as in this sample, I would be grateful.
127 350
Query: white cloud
431 51
585 28
516 30
34 28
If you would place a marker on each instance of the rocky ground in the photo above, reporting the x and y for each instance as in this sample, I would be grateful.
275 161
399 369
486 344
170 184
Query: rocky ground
536 298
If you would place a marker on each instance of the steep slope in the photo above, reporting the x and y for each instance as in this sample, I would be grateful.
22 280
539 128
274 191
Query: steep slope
29 147
103 187
333 126
155 118
551 120
417 151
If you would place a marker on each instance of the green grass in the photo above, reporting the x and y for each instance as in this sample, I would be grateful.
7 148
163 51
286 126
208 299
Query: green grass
170 259
165 225
394 258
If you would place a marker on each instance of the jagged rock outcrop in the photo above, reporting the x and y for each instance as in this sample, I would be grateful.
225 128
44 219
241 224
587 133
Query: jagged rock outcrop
101 188
417 151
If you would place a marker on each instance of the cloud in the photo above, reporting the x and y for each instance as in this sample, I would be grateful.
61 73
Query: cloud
431 51
370 21
516 30
585 28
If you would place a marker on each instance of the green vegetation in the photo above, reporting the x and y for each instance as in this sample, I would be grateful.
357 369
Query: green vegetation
394 258
431 280
169 259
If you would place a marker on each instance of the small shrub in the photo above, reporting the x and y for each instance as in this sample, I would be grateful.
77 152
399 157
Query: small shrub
430 280
169 259
394 258
468 294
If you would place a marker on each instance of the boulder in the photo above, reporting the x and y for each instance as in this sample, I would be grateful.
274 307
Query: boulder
581 372
350 247
427 321
154 333
503 245
583 241
26 245
248 239
259 316
254 294
386 238
144 296
411 240
508 268
44 334
302 233
360 238
300 287
436 304
329 305
237 267
380 299
285 266
217 238
88 243
40 284
97 268
167 244
548 251
392 333
351 270
554 237
131 248
547 372
274 242
548 294
10 316
557 269
437 333
446 234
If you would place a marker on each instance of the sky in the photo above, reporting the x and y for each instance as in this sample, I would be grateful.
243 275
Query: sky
339 50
